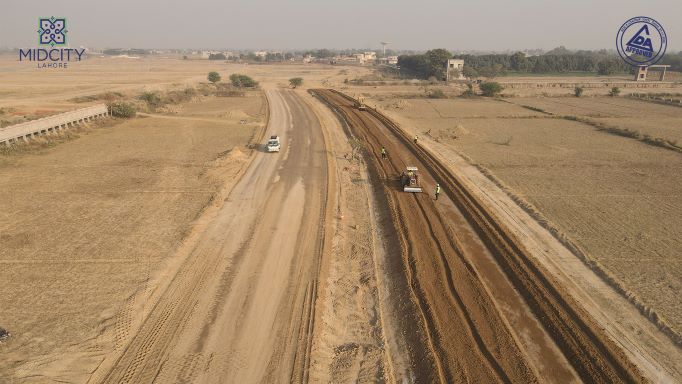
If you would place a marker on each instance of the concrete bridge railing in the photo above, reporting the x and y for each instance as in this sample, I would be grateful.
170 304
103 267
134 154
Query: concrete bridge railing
50 124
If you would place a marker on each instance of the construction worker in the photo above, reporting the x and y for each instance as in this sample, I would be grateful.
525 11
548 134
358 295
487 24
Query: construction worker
437 190
416 138
383 153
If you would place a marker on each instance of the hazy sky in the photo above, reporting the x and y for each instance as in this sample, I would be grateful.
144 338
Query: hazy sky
296 24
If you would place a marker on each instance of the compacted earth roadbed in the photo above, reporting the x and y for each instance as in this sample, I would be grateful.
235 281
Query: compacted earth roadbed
489 311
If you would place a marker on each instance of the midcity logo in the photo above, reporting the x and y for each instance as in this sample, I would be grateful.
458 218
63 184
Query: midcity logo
52 31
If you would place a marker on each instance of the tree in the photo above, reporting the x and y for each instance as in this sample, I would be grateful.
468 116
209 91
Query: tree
492 71
559 51
578 91
607 67
615 91
518 62
295 82
216 56
490 88
213 77
430 64
437 61
469 72
121 109
240 81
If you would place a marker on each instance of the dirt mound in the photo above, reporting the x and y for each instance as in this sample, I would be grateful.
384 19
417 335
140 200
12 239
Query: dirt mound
237 153
459 130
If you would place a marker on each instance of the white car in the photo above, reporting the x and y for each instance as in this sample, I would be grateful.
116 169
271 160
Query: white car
273 144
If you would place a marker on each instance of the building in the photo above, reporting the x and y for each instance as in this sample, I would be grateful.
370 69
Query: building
643 70
370 56
454 69
392 60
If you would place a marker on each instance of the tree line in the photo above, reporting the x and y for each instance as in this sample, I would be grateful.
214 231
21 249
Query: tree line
560 60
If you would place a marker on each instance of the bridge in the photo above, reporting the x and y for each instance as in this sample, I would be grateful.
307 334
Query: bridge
50 124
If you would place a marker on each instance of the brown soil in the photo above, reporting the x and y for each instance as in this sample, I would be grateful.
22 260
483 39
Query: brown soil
88 222
425 233
615 197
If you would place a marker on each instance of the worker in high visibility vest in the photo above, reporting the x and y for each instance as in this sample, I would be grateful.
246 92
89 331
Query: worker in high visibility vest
437 190
383 153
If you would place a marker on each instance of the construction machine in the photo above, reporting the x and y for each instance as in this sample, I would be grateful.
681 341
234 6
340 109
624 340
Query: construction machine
360 104
410 180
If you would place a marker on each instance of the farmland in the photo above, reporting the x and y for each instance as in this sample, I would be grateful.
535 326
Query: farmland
617 198
88 219
172 246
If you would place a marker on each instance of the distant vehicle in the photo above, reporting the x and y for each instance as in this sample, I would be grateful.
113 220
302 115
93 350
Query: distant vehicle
273 144
410 180
360 104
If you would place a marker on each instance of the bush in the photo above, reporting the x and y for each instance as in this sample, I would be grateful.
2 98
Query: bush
240 81
578 91
176 96
469 91
121 109
615 91
151 98
213 77
230 93
295 82
436 94
490 88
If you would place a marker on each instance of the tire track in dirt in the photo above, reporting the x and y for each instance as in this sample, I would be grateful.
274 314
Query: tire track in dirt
241 307
593 356
457 346
435 231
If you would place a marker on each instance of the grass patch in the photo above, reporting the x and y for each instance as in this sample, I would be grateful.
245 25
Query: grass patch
106 96
536 109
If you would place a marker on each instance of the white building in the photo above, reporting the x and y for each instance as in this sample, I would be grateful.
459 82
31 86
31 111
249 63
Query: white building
392 60
454 68
370 56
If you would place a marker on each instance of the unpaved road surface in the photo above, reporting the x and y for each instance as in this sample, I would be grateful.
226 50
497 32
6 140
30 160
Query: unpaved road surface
240 307
490 313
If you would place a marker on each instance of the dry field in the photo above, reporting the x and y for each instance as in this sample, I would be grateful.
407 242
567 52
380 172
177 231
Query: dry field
91 225
647 118
27 91
84 224
617 198
89 221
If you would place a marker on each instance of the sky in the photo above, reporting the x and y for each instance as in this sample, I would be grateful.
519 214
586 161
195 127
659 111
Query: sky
492 25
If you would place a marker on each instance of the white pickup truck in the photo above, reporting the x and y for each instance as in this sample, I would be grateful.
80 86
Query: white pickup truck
273 144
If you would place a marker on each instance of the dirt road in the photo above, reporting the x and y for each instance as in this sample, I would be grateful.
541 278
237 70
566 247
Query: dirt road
240 307
490 314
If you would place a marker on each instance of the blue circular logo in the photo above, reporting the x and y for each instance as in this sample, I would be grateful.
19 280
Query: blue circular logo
641 41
